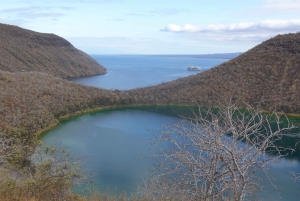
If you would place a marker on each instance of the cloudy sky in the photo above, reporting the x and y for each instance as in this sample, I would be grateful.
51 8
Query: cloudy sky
156 26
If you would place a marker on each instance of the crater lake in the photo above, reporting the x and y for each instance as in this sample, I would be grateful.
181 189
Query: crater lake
115 144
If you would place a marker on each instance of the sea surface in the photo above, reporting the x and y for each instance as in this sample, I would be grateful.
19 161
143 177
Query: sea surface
131 71
116 144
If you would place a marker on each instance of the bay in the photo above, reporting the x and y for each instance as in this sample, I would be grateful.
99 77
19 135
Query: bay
131 71
114 143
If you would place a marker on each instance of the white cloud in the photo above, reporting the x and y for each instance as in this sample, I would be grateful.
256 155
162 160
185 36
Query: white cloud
272 8
240 26
184 28
281 24
16 22
108 45
32 12
250 31
23 9
127 45
41 15
285 6
270 25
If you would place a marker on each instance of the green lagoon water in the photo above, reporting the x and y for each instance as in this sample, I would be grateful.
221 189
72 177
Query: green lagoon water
115 144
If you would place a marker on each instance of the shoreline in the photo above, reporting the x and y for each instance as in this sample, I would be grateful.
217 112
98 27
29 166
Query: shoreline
41 132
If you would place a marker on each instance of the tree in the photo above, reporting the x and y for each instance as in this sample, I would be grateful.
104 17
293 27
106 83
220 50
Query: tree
16 146
216 154
50 175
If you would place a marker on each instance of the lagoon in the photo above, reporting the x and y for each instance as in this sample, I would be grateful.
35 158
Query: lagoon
112 143
115 143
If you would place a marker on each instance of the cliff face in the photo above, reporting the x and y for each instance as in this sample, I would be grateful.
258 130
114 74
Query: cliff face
267 75
24 50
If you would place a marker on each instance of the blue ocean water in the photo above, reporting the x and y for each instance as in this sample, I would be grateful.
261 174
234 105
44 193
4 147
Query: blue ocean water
131 71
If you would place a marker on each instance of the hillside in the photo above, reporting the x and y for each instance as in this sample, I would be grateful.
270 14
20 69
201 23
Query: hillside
33 95
35 101
23 50
267 75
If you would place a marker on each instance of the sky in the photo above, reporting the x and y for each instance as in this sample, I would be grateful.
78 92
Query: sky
156 26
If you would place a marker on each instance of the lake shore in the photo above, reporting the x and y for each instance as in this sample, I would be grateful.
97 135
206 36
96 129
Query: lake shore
182 108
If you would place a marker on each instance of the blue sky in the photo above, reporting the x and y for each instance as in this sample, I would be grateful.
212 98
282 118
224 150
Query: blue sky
156 26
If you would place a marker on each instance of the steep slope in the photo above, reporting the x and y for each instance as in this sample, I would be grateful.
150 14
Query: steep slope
25 50
267 75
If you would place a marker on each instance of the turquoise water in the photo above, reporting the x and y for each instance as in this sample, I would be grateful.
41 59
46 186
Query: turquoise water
115 143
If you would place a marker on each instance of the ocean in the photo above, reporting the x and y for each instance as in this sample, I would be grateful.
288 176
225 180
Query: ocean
131 71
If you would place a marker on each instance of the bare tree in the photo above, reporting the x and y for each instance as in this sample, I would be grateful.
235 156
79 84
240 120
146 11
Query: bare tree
216 154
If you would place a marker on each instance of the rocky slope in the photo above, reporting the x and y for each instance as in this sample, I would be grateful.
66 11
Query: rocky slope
25 50
267 75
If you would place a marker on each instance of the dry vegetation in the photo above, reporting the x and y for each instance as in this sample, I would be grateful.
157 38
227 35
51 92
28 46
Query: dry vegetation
25 50
203 163
267 75
36 100
32 99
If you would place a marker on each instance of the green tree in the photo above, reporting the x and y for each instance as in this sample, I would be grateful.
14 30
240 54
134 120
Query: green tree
50 175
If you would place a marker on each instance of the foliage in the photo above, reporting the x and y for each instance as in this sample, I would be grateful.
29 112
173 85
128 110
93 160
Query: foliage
50 175
17 147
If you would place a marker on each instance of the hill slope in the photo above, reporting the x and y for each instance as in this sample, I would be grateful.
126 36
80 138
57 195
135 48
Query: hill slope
267 75
25 50
35 101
